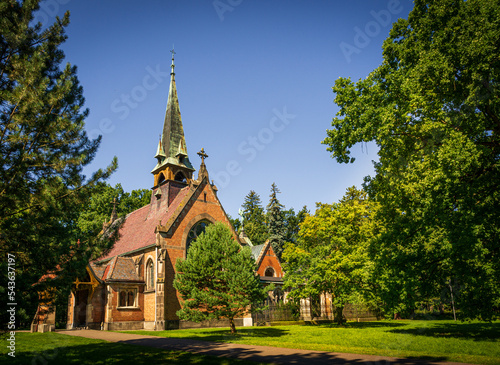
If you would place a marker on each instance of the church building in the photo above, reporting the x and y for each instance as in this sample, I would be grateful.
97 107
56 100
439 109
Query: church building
131 287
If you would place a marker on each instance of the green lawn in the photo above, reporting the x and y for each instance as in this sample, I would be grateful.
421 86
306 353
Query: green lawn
474 342
53 348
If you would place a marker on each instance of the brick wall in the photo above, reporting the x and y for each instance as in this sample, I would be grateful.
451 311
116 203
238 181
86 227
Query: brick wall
126 314
270 260
149 306
204 205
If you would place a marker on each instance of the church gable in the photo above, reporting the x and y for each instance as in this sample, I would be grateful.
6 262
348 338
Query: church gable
198 203
268 264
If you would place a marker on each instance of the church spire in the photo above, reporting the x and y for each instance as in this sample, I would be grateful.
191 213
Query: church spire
172 152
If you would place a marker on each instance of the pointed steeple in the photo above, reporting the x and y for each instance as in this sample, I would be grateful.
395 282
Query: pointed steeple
160 154
173 132
172 151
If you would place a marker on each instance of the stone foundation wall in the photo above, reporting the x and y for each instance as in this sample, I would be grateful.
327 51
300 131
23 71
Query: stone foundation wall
124 326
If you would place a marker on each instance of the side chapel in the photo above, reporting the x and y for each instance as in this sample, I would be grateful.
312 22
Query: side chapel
131 287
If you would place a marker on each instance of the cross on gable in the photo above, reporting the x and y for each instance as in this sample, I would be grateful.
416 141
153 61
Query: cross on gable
203 155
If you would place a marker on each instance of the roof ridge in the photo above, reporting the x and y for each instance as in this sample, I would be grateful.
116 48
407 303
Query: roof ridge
262 252
112 265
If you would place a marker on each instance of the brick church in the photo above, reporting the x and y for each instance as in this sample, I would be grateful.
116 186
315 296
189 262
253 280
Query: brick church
131 286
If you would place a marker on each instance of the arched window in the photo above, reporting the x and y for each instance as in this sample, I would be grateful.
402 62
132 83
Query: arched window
161 178
195 231
150 275
269 272
180 177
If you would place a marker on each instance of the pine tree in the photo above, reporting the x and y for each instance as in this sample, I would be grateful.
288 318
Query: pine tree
43 150
217 279
292 223
276 222
254 219
235 222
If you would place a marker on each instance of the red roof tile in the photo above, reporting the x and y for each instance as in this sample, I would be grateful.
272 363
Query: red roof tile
138 229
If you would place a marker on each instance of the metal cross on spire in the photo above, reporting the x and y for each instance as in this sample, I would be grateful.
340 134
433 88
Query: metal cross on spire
203 155
173 53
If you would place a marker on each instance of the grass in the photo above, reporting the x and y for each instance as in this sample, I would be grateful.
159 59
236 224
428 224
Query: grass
54 348
474 342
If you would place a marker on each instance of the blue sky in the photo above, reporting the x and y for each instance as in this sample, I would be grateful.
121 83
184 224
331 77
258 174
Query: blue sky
254 83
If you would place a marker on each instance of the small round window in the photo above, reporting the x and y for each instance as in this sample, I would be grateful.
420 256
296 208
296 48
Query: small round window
197 230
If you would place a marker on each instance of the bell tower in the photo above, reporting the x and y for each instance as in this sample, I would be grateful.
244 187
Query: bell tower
173 161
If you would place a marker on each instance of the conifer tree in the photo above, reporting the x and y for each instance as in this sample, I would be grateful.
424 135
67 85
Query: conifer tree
276 222
292 223
43 150
254 218
217 279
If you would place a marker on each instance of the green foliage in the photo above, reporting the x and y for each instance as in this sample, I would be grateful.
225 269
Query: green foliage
235 222
292 223
217 279
278 225
254 220
432 108
331 255
99 207
276 222
43 150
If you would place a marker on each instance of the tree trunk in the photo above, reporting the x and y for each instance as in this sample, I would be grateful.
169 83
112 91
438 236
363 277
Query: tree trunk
232 326
339 315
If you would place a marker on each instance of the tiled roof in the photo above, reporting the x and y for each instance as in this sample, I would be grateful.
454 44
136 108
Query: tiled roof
256 251
138 229
123 270
98 269
118 269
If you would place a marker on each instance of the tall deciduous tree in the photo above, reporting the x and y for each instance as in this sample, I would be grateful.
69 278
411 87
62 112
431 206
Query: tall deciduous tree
217 279
43 149
433 109
276 221
254 219
332 253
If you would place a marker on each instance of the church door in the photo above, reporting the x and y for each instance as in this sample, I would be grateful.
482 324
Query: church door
81 298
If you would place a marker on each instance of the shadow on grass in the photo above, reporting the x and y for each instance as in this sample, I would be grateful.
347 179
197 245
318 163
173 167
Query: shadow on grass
361 325
256 332
474 331
279 356
224 335
114 353
174 351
